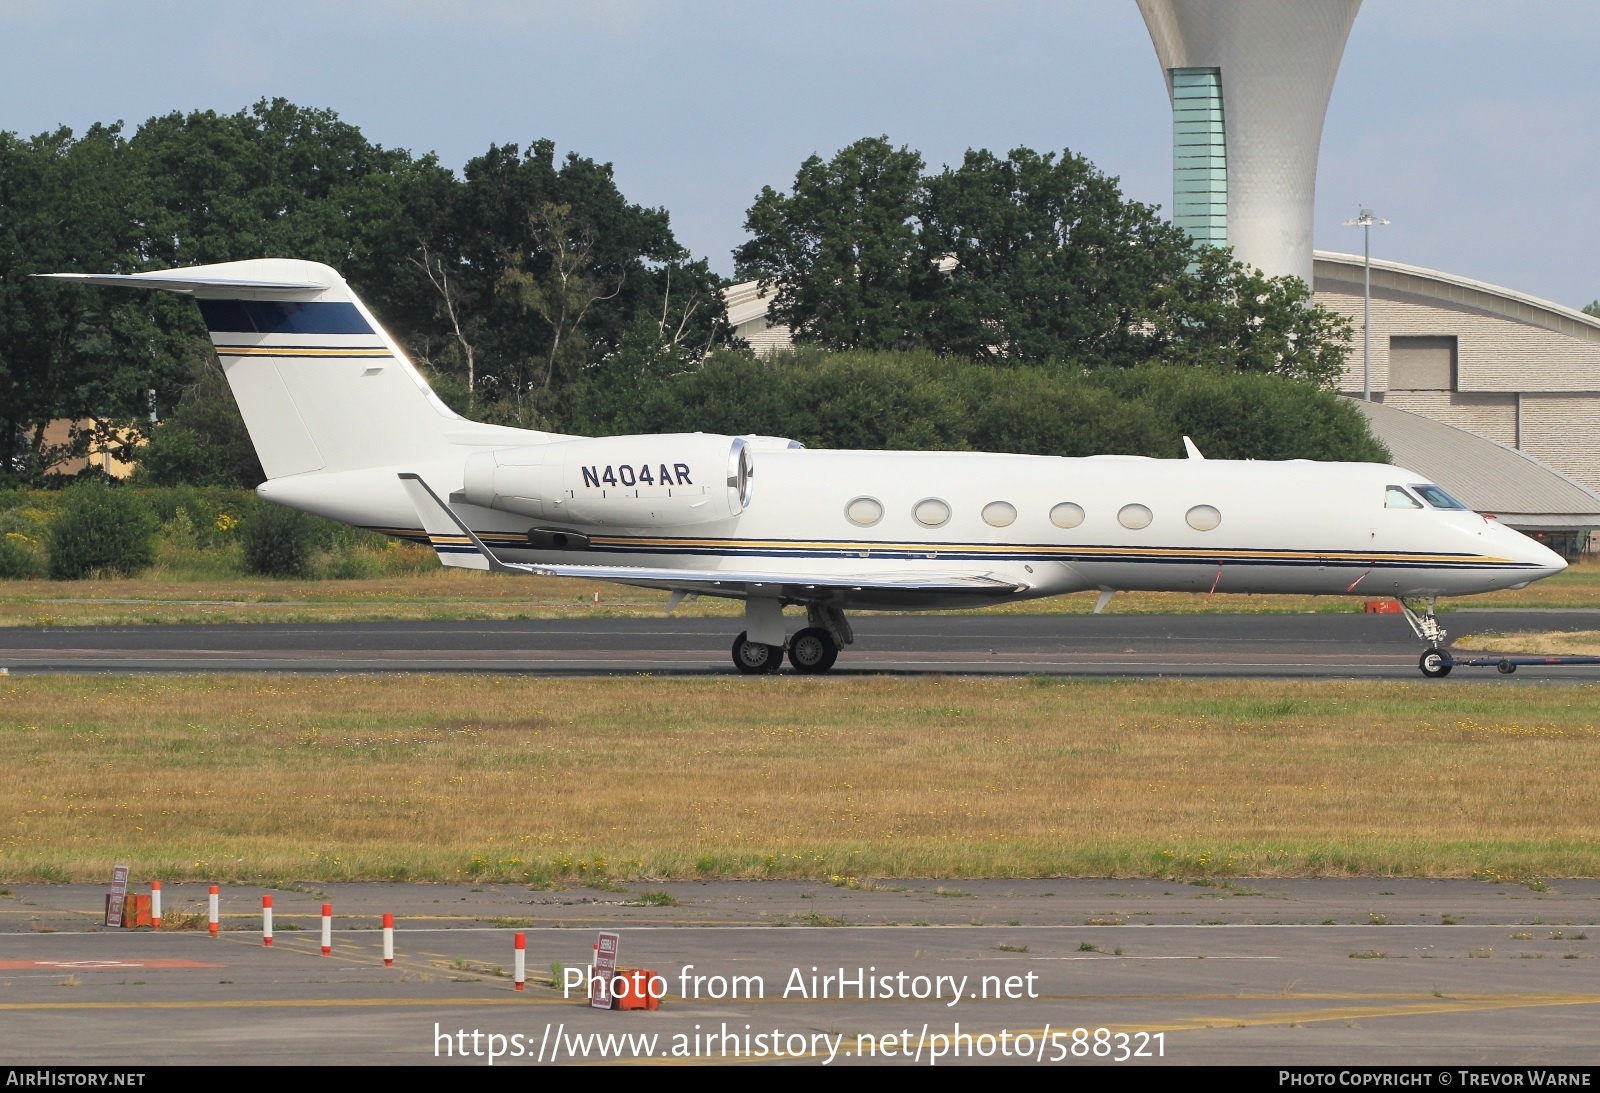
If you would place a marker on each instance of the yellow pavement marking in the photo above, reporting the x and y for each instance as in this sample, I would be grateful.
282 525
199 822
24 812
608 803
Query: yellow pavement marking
1413 1005
1449 1004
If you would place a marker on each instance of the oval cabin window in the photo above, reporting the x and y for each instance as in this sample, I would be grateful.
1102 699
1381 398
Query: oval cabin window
931 512
999 514
1134 517
1066 515
1203 518
864 511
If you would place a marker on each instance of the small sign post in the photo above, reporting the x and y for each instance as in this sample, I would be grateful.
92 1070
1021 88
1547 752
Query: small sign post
118 896
605 969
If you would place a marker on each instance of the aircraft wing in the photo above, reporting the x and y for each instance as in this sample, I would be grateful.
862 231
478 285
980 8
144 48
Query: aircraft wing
718 582
457 545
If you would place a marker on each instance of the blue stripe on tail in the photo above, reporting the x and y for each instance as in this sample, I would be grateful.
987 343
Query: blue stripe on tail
282 317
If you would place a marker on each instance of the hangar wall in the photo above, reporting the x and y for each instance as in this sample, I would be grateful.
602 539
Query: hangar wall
1522 371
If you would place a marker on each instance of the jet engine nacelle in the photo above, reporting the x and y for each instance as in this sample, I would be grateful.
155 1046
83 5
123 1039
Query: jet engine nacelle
653 480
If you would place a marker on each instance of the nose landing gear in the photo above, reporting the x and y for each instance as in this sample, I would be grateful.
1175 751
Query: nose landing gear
1435 662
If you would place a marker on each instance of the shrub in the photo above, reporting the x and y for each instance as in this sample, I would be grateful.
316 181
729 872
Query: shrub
101 529
278 542
18 560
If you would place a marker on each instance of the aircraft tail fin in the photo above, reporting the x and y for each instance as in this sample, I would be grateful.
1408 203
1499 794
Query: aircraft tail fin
320 383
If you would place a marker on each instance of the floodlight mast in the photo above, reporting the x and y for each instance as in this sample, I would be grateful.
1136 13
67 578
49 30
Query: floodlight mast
1365 222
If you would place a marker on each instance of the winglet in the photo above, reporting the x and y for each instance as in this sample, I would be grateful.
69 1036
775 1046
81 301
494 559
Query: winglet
452 540
1190 449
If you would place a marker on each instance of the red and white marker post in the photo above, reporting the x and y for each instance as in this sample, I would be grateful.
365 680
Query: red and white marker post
213 912
266 920
605 969
519 968
327 929
155 904
388 940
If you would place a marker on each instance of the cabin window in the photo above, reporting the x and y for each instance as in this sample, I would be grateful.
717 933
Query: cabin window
863 512
1134 517
1395 497
1436 497
931 512
1066 515
999 514
1203 518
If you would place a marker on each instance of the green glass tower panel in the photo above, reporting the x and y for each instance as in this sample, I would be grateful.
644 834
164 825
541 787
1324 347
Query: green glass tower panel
1199 155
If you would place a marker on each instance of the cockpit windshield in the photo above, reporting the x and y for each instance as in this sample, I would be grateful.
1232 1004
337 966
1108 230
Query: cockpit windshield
1396 497
1436 497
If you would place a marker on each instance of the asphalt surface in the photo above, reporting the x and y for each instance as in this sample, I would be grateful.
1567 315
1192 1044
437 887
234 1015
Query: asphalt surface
1305 645
1266 972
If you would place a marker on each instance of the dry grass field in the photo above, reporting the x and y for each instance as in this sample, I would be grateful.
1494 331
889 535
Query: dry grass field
563 780
439 594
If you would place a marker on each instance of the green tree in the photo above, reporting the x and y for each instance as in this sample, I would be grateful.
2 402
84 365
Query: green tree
527 274
1593 309
426 248
204 441
843 249
1050 261
1222 313
1030 258
64 352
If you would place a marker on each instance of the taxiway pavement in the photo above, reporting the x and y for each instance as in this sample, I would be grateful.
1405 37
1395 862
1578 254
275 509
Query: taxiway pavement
1258 645
1397 971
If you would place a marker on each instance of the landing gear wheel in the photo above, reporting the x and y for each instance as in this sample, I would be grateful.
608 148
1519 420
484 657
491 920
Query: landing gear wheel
753 658
1505 667
813 650
1436 663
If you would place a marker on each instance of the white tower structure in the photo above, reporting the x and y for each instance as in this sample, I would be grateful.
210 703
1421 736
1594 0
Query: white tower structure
1249 82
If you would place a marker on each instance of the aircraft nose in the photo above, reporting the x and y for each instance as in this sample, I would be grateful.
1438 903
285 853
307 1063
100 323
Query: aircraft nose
1532 552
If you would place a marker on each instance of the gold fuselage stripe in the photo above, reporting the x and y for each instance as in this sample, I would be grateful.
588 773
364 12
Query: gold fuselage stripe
298 351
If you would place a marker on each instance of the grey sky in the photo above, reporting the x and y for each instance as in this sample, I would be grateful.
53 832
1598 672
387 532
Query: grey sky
1471 125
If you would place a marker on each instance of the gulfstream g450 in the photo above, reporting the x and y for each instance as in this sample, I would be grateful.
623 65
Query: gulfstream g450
347 428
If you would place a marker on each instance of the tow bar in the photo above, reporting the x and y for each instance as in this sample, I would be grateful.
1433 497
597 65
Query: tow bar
1506 665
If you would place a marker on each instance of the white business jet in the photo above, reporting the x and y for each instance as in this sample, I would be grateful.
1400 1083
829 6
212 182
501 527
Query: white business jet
348 429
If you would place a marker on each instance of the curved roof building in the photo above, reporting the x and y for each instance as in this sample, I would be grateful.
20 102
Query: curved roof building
1509 367
1249 82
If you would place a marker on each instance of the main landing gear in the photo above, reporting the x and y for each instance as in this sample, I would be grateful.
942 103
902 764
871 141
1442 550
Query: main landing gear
1435 661
812 650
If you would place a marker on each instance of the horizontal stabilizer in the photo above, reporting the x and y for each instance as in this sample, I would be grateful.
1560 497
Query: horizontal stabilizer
191 284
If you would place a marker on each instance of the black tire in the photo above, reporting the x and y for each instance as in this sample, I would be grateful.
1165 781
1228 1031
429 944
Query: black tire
1436 663
753 658
813 650
1505 667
